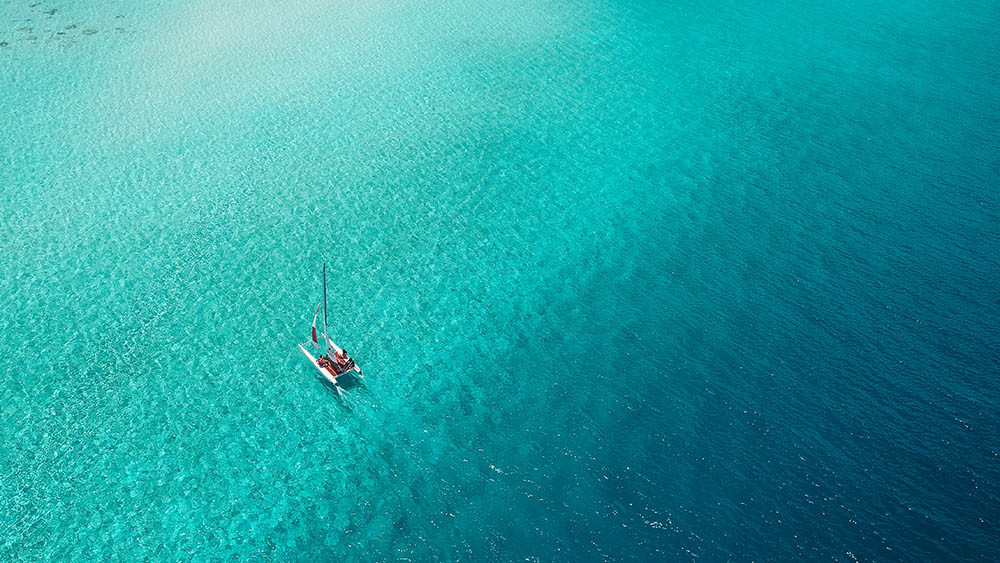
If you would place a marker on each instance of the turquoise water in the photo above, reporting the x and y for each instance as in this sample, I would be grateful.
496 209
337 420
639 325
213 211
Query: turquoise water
629 281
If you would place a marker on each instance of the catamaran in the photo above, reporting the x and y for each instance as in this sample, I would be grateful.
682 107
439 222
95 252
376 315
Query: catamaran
334 362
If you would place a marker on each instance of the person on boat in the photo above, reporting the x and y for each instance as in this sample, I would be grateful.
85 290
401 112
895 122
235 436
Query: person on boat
341 357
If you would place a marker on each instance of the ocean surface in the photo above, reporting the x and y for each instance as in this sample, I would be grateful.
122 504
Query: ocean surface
629 281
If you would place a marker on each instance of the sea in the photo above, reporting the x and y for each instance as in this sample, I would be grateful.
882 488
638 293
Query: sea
649 280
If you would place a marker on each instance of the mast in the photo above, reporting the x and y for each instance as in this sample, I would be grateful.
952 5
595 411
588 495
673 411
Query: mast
330 346
326 331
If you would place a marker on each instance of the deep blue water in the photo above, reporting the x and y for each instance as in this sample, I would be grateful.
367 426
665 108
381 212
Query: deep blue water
629 281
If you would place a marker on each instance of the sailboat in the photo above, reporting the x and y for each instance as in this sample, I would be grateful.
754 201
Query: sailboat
332 361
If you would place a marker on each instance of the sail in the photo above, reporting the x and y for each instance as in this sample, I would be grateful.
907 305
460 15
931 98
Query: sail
316 316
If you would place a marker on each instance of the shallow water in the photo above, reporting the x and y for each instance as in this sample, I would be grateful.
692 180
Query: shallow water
628 281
